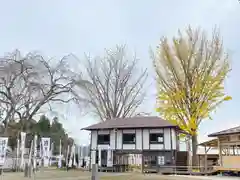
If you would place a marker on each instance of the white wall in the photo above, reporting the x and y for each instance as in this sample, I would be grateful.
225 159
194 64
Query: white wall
112 139
93 140
167 139
119 140
156 146
142 139
146 139
174 139
139 139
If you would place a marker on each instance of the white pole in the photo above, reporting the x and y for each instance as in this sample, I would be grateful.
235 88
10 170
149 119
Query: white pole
23 137
17 163
71 157
79 156
99 156
67 155
60 155
51 154
40 153
74 156
35 153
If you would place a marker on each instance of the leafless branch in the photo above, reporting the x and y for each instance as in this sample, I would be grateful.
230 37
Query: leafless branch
114 88
29 83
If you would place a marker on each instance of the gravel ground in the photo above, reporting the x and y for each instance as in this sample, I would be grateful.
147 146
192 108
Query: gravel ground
211 177
78 175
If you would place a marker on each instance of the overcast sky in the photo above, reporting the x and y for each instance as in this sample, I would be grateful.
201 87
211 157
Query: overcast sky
59 27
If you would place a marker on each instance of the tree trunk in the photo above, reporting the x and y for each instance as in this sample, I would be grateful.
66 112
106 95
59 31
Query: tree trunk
194 150
6 130
188 148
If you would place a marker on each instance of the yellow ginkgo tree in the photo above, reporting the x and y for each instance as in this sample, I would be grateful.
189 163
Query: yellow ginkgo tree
191 70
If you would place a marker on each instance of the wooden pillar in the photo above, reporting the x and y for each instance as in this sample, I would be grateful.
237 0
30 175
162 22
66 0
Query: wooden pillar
142 163
26 170
205 160
220 152
94 175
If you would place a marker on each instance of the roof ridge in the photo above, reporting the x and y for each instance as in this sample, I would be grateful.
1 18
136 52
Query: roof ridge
132 122
226 131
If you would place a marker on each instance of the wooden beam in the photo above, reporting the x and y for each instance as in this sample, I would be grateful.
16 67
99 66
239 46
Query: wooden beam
207 149
220 152
205 158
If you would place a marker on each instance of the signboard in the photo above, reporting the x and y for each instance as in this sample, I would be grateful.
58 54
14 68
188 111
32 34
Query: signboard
161 160
109 157
46 150
3 149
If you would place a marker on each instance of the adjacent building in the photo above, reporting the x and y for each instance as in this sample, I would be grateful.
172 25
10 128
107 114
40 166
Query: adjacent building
227 142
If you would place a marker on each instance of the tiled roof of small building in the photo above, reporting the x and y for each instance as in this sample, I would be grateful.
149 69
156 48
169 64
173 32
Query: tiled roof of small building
132 122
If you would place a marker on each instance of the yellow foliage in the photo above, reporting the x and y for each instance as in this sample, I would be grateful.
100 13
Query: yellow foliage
227 98
190 78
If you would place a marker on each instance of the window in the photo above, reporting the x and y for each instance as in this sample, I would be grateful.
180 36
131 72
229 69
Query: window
103 139
156 138
129 138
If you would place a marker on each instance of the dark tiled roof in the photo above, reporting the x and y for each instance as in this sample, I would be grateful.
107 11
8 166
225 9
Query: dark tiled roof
234 130
132 122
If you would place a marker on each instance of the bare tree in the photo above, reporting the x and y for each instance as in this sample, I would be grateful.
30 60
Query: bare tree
29 83
115 88
12 85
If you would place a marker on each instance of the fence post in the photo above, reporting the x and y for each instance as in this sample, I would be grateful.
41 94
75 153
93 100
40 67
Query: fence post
30 170
94 172
2 173
26 170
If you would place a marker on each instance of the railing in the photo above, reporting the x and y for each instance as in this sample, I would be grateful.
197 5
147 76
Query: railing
192 170
181 170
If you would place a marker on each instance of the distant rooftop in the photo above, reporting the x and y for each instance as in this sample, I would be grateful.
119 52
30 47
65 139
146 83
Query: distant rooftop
235 130
209 143
132 122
